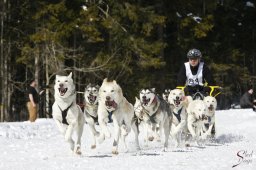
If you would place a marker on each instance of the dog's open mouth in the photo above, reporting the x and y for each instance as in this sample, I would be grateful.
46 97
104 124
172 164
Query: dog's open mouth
92 98
145 101
211 108
63 91
111 104
177 102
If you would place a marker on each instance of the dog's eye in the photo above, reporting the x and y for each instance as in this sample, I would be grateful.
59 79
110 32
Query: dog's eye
66 80
58 81
112 90
94 90
104 91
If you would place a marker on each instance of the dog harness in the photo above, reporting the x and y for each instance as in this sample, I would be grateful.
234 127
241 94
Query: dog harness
177 115
64 114
193 80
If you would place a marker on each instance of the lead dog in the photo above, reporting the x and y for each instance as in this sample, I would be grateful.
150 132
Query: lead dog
66 113
178 103
209 125
91 95
197 111
112 101
155 112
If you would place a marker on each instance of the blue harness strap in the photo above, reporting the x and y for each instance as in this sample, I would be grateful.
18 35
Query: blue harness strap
64 114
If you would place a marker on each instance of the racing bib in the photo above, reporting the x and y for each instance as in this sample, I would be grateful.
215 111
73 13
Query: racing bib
193 80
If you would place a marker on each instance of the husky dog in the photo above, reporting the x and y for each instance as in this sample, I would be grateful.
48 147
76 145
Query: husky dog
66 113
155 111
197 111
90 109
209 126
177 101
166 94
112 101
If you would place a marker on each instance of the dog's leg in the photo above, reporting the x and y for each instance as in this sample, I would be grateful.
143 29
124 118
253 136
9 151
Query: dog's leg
79 132
149 127
102 115
135 129
116 136
167 129
68 136
173 133
94 133
191 130
158 131
60 126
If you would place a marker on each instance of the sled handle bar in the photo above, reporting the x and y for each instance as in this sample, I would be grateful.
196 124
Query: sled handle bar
211 87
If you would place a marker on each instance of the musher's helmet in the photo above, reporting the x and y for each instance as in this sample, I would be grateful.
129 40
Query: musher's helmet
194 53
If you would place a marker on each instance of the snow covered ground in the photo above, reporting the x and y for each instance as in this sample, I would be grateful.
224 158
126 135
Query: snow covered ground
39 145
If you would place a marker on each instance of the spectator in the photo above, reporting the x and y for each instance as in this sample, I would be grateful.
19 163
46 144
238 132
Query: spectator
247 101
32 100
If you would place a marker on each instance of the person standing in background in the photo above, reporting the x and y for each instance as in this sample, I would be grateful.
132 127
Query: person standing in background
247 100
32 100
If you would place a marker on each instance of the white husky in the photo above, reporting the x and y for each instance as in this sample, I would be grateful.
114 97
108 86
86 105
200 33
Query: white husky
196 118
91 95
112 101
178 103
209 125
66 113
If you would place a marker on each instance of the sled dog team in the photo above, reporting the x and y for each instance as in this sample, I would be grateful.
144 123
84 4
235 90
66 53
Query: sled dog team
173 114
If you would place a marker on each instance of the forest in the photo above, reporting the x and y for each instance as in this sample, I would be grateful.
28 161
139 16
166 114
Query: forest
139 43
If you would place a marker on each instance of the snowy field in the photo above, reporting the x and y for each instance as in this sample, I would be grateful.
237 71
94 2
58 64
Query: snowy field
39 145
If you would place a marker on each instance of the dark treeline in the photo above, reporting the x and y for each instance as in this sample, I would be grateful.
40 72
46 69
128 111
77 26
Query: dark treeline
139 43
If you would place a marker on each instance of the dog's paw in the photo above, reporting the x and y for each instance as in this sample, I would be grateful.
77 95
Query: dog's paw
93 146
107 134
97 134
187 145
78 150
165 149
151 138
101 138
114 152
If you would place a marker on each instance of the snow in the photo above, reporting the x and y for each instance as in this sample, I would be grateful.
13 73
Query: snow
39 145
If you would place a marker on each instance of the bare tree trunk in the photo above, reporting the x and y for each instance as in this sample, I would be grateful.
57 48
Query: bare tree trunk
2 5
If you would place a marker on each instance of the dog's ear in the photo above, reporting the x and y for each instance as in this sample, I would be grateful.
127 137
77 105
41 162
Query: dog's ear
56 77
70 75
114 81
105 80
153 90
97 86
136 99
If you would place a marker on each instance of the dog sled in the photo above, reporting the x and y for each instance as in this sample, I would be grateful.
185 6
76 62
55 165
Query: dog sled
213 91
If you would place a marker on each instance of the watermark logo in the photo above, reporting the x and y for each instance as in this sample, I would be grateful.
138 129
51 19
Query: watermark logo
244 157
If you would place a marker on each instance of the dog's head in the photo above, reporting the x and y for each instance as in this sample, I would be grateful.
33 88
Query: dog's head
64 86
198 109
111 94
166 94
176 97
91 93
147 96
211 103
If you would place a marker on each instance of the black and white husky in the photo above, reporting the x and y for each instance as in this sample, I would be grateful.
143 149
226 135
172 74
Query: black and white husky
155 112
66 113
91 94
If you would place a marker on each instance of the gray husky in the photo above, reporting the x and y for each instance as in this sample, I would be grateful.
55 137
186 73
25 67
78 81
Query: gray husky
91 95
154 111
